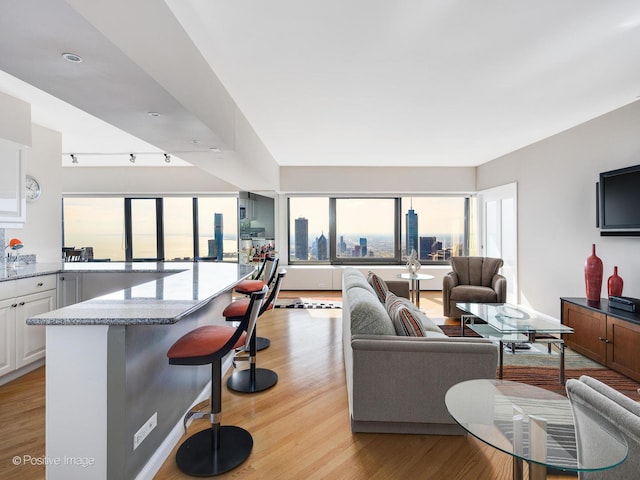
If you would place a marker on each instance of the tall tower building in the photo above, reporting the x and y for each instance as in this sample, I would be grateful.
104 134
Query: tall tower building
363 247
323 250
217 236
302 238
412 231
343 246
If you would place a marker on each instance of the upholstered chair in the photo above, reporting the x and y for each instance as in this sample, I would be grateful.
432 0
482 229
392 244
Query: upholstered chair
594 404
473 279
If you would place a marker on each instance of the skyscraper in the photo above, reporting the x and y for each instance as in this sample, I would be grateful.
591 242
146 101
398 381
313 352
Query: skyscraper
363 247
302 238
322 248
426 247
412 231
215 245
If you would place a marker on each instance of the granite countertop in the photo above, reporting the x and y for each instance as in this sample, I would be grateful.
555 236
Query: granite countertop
158 302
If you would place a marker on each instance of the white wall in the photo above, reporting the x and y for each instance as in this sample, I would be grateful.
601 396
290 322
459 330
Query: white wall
42 234
556 180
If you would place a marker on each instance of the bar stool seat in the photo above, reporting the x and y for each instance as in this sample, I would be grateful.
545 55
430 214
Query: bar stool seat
217 449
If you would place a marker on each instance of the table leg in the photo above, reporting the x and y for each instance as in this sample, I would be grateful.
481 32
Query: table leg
417 285
501 358
517 468
561 363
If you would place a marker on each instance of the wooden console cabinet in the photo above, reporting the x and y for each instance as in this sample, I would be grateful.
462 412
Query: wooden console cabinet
609 336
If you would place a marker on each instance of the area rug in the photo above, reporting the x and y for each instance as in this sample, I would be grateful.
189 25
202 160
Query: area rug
298 302
541 369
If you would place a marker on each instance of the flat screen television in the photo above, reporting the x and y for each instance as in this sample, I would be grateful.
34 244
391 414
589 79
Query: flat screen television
619 202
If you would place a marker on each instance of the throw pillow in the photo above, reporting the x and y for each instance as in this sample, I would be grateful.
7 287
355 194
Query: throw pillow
405 319
379 286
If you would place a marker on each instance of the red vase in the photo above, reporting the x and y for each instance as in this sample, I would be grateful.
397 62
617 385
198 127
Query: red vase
615 284
593 277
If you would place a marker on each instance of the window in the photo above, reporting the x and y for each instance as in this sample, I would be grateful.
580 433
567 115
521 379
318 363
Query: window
434 227
308 229
378 230
171 228
365 229
96 223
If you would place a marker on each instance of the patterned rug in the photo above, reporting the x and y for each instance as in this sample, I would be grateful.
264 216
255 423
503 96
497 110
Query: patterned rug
298 302
541 369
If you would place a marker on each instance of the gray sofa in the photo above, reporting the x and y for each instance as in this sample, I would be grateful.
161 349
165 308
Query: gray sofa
396 383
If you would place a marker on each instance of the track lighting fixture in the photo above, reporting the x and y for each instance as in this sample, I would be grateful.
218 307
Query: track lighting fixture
167 158
74 159
132 158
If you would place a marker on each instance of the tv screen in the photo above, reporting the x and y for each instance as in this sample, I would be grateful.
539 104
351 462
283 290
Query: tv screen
619 202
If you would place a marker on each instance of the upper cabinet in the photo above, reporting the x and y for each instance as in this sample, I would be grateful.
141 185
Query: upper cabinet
15 138
13 208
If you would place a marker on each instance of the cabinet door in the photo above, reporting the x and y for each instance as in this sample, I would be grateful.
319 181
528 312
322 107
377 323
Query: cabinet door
7 336
590 331
12 195
31 339
623 339
69 289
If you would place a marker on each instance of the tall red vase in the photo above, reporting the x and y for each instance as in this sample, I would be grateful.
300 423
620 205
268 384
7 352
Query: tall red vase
593 277
615 284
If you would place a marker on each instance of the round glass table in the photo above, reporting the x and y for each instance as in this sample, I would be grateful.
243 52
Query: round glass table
415 278
535 425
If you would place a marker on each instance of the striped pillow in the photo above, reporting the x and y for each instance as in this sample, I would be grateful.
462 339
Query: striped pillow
379 286
406 320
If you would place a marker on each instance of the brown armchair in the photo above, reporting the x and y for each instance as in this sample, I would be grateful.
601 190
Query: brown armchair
474 279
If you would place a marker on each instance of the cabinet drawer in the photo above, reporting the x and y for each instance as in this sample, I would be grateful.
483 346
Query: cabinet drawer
27 286
7 289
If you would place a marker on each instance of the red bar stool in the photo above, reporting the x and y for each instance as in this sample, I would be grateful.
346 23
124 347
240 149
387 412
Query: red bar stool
217 449
252 379
269 268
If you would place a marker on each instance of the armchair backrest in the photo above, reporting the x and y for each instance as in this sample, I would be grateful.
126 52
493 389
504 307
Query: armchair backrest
476 270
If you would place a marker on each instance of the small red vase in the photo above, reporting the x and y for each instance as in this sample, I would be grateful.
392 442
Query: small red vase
615 284
593 277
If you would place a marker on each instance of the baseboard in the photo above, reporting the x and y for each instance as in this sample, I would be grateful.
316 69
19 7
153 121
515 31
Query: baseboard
21 371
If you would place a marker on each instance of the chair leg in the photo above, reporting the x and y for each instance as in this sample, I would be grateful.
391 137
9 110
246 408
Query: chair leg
253 379
217 449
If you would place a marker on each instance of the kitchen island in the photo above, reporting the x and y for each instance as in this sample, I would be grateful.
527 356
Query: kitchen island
114 406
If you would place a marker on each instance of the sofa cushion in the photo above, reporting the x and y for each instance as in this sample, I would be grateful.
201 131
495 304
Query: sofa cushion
393 302
379 286
353 278
368 315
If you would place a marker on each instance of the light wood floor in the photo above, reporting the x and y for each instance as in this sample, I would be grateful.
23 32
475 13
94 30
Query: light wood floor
300 427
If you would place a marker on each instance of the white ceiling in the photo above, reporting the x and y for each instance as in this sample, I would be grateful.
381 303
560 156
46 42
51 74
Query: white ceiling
362 82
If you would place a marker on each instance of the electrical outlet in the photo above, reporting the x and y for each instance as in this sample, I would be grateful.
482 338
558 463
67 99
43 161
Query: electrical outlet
145 430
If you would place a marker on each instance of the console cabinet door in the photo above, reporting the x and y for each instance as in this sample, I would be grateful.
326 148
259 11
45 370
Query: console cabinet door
623 339
590 332
31 339
7 336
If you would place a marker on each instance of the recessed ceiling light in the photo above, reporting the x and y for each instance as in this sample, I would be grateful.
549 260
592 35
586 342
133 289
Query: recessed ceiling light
154 114
72 57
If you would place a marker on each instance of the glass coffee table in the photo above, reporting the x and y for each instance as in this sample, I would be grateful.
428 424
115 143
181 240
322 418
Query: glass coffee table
510 324
535 425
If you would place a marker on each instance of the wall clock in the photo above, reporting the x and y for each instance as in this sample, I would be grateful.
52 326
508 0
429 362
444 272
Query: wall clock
33 189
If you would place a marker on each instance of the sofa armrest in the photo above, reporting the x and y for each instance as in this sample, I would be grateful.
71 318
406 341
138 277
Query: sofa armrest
499 284
400 288
405 379
449 281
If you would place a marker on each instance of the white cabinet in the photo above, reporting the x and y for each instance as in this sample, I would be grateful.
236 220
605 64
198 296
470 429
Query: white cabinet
13 206
69 289
23 344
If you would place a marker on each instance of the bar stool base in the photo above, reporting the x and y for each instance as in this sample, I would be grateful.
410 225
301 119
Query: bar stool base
242 380
262 343
195 456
